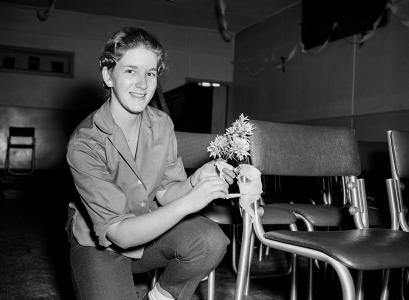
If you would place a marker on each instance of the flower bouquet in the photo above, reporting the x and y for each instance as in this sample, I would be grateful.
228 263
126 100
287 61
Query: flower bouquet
234 146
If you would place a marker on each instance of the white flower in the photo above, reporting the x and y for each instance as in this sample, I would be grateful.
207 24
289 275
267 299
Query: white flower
240 147
235 143
217 148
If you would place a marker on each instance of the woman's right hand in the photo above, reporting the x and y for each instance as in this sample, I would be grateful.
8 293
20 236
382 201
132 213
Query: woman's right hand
205 191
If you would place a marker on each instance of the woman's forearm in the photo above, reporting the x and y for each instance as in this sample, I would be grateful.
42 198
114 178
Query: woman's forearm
138 230
174 191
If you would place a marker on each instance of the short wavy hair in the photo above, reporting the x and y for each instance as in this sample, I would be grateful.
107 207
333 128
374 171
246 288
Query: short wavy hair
129 38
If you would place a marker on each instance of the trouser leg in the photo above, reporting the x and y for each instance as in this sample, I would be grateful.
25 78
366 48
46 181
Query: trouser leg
101 275
187 252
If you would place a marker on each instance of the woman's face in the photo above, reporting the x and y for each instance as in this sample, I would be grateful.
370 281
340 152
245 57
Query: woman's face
133 80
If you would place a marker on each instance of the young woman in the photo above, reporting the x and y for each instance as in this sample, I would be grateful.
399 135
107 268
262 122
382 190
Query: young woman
136 207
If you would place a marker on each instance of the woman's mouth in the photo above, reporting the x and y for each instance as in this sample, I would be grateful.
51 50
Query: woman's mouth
138 95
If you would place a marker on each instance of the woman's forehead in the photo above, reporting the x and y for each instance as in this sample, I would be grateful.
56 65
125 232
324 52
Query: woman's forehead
139 56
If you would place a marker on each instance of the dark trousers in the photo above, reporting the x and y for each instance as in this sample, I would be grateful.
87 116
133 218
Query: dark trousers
187 253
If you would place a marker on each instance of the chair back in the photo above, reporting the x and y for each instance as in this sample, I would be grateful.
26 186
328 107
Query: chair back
192 148
20 139
304 150
398 144
21 131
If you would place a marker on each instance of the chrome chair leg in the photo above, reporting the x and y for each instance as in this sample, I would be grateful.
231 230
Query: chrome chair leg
360 286
211 285
293 292
260 252
310 278
385 282
234 248
244 257
247 286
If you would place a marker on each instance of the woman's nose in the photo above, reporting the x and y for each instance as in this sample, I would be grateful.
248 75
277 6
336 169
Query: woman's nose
141 81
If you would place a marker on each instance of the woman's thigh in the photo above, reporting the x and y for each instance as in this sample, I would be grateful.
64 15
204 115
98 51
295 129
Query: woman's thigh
101 275
196 238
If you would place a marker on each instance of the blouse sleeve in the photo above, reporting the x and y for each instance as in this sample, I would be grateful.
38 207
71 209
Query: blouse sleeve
103 200
174 170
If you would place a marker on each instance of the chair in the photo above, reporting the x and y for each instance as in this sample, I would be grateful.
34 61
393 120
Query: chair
398 146
192 149
302 150
20 139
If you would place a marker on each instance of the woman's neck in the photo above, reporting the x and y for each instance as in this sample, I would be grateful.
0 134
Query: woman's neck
128 122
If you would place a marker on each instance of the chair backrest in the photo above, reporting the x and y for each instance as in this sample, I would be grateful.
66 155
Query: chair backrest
398 144
304 150
192 148
22 131
20 139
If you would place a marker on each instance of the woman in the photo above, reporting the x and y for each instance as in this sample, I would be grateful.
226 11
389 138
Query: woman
137 207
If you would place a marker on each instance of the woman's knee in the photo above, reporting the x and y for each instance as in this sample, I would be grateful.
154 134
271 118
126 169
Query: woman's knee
211 241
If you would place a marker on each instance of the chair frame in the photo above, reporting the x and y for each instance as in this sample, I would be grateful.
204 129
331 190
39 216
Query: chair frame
345 163
348 287
394 186
188 142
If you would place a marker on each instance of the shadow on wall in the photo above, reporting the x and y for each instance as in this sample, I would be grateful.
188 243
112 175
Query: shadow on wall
53 126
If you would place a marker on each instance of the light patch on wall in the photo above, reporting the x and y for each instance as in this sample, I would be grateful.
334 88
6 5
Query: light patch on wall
209 84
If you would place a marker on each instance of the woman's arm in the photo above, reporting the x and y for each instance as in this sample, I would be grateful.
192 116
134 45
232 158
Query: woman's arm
179 189
139 230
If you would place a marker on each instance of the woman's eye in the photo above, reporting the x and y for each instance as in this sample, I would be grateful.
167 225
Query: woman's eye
129 71
152 74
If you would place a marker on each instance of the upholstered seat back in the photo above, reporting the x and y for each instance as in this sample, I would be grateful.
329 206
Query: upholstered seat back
304 150
399 149
192 148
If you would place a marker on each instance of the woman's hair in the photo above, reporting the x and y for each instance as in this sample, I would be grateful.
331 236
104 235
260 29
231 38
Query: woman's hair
129 38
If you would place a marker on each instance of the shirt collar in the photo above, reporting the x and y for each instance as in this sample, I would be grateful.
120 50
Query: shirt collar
105 122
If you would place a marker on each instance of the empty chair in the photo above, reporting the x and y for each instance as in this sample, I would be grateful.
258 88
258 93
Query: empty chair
192 148
20 152
302 150
398 145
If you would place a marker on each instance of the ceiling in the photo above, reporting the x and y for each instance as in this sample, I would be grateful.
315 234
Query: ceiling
195 13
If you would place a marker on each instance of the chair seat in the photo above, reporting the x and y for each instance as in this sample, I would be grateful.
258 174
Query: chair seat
363 249
318 215
221 214
278 216
225 214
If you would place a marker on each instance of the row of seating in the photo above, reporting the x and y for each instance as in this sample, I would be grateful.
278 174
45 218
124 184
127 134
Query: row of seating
303 150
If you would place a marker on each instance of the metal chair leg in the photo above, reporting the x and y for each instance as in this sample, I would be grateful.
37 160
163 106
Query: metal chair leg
234 248
360 286
310 278
385 281
293 293
247 286
244 257
211 285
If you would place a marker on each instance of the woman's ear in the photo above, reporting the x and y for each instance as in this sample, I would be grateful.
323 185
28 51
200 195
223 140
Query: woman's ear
106 76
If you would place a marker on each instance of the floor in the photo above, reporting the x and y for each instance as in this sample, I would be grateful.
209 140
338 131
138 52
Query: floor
33 249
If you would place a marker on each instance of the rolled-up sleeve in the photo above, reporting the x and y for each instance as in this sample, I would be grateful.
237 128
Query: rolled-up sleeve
105 202
174 169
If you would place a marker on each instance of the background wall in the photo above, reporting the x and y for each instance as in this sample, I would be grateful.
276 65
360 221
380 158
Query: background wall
364 87
54 105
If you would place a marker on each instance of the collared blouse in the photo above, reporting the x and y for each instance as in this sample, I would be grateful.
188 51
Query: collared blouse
112 185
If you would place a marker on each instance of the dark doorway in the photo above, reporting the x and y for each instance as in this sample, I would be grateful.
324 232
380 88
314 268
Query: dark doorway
190 107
